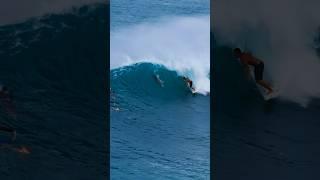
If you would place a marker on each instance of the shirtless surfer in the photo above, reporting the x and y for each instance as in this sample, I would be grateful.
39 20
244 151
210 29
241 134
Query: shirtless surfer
189 82
247 59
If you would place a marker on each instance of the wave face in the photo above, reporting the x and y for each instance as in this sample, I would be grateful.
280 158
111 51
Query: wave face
131 77
285 43
53 67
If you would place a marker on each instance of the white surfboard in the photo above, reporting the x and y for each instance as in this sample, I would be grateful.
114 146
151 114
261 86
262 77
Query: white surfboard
193 91
269 96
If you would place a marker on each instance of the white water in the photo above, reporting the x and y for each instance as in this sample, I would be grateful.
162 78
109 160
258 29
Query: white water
179 43
281 34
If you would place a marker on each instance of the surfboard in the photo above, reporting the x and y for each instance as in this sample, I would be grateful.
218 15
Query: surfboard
193 91
266 96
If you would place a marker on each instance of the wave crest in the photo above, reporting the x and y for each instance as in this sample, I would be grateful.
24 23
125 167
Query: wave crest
181 44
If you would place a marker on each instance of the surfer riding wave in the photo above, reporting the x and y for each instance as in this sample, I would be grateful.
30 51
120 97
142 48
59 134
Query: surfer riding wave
189 82
247 59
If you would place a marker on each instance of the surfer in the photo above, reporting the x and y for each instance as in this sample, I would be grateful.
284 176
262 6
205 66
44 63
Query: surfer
189 82
247 59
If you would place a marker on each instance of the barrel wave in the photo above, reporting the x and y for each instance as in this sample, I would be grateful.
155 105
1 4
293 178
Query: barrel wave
142 80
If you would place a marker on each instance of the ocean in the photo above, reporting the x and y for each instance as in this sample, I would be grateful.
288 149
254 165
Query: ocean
159 130
53 67
258 139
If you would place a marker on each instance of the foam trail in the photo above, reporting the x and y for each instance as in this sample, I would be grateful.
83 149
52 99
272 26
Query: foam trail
281 33
179 43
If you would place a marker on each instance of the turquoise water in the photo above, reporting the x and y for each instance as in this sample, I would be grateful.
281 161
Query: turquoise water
157 132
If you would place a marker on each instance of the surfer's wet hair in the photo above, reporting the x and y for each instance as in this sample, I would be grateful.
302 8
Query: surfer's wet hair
237 52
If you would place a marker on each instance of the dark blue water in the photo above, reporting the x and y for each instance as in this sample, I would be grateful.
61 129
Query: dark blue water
156 132
53 67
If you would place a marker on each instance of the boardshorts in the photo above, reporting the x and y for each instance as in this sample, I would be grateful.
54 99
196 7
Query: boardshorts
258 71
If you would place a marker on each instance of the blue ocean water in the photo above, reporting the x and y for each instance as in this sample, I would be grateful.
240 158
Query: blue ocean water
125 13
159 131
52 66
